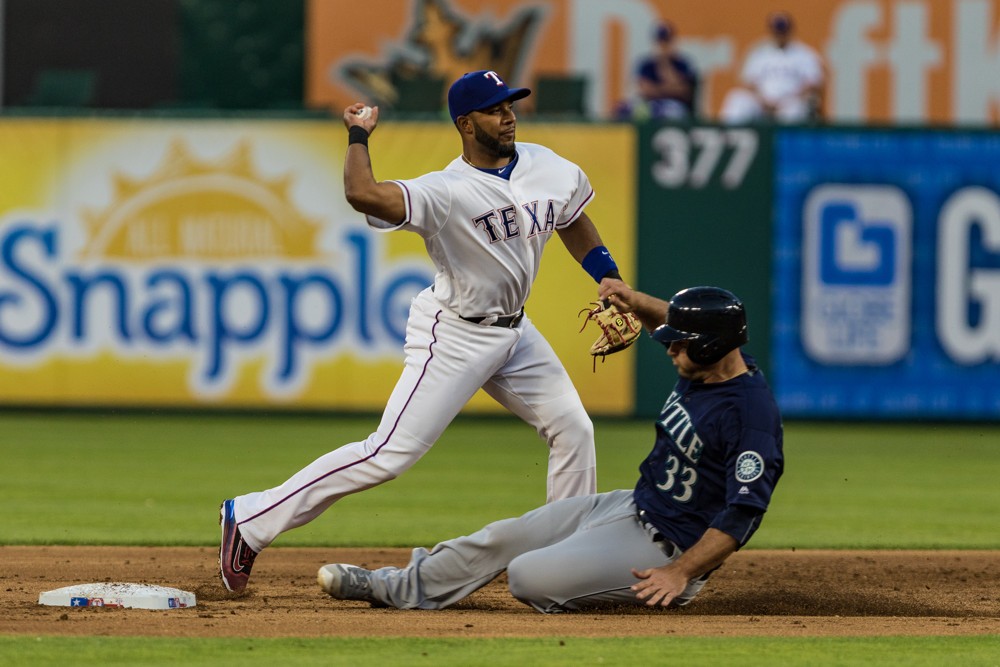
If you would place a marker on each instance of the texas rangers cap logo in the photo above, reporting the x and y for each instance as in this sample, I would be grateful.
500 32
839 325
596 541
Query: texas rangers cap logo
479 90
749 466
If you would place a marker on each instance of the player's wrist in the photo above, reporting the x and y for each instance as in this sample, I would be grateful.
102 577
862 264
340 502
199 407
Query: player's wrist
599 264
357 135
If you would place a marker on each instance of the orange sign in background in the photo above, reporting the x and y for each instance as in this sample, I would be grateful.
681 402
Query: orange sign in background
888 61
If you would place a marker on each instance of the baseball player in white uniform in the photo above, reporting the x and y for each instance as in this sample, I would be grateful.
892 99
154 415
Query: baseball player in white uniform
485 219
783 80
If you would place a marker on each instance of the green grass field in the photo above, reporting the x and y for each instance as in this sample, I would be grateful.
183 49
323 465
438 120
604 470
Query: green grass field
550 652
132 478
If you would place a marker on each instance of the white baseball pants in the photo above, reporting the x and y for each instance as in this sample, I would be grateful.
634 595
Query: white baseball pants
447 361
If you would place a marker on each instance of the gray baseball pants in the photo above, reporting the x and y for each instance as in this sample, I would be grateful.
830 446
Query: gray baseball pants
566 555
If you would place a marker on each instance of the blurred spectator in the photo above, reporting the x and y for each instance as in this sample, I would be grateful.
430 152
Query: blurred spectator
782 80
666 79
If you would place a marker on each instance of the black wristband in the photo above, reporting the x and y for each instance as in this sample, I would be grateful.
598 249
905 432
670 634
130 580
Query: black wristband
613 273
357 135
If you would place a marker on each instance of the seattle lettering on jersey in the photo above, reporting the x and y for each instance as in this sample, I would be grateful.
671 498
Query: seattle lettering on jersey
501 224
677 423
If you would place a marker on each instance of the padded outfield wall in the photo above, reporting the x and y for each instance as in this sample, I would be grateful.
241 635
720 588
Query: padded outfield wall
704 219
887 273
214 263
869 259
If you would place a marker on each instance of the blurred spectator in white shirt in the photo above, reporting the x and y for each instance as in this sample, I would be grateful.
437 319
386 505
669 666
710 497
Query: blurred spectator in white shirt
782 80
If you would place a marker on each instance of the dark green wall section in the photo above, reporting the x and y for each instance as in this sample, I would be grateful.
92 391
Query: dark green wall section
110 54
704 218
242 55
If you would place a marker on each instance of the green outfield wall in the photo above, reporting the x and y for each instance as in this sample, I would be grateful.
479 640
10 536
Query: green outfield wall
704 218
213 263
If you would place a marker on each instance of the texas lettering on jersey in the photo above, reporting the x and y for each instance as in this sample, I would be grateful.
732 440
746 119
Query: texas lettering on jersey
485 233
501 224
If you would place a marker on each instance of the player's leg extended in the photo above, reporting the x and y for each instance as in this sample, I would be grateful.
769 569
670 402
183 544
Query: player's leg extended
593 565
534 386
452 570
445 365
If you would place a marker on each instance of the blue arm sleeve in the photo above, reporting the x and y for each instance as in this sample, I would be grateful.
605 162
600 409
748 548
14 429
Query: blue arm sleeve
739 522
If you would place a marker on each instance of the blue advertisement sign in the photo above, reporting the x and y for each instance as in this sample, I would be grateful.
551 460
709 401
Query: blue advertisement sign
887 274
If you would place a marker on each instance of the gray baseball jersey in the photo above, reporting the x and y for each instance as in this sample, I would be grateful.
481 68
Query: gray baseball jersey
579 552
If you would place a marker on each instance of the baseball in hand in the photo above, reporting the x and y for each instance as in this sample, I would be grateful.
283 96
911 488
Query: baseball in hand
364 113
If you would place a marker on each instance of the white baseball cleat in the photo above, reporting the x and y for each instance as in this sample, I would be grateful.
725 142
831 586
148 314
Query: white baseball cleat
346 582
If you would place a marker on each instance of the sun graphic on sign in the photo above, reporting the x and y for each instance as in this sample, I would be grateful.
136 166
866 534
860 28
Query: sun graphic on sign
205 210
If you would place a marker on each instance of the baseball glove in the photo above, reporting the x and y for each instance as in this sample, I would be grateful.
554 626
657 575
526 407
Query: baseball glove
618 330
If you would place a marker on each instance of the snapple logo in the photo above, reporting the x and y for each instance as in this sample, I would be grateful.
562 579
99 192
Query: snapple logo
205 262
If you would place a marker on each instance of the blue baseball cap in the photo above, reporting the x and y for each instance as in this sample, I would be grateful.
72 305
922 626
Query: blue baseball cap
479 90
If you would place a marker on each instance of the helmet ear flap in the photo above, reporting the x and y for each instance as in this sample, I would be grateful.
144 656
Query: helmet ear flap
706 350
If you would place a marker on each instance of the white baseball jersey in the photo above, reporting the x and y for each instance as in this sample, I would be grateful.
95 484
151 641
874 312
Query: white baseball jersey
779 73
486 234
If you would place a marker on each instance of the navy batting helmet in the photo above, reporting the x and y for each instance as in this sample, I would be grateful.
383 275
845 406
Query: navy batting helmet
712 319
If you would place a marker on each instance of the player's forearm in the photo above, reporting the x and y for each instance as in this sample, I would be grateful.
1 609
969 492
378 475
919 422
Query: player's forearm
359 182
651 311
706 554
364 193
584 243
581 237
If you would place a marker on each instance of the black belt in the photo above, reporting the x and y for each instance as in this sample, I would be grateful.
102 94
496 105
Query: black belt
650 528
666 546
507 322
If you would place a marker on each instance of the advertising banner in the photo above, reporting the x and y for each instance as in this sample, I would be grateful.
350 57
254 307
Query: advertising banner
887 274
886 61
216 262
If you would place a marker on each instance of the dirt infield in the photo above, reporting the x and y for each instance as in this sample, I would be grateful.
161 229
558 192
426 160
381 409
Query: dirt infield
775 593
